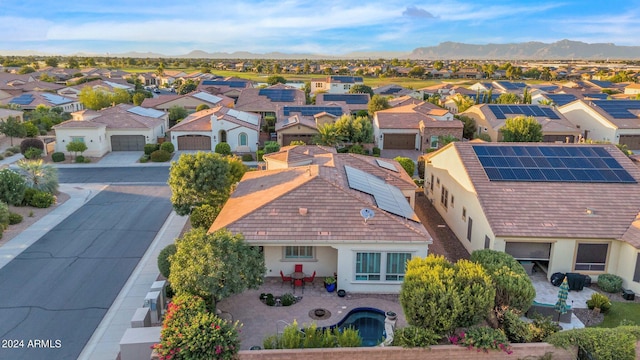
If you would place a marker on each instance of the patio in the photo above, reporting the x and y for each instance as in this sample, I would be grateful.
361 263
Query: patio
261 320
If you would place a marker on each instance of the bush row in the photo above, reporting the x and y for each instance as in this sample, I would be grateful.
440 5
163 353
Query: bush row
311 336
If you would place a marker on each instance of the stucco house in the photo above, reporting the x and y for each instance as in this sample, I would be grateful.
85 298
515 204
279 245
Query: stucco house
350 103
204 129
414 127
266 101
490 118
335 84
300 123
32 99
230 86
6 113
103 85
615 121
333 213
188 101
632 89
122 127
567 207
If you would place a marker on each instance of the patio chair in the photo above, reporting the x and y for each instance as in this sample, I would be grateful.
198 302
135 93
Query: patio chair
298 283
285 279
298 268
309 279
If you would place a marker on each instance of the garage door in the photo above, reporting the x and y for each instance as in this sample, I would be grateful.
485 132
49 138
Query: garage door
194 142
632 141
529 250
399 141
288 138
127 143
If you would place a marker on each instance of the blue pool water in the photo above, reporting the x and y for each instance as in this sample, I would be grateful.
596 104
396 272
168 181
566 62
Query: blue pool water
368 321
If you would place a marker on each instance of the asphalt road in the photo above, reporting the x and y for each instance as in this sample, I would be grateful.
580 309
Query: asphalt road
57 291
110 175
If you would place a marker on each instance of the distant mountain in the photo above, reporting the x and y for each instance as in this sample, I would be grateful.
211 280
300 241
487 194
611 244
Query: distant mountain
564 49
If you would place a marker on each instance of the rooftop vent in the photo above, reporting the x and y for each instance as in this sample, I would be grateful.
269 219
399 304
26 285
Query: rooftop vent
303 211
589 211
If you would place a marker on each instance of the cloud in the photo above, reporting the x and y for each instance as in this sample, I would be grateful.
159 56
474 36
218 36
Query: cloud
413 11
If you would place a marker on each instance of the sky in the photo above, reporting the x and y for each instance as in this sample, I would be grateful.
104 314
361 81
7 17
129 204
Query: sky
305 27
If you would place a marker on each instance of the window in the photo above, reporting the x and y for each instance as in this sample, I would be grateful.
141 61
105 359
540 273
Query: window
487 242
464 213
469 229
591 257
452 200
431 183
636 274
243 140
346 87
385 266
298 252
77 139
444 197
434 142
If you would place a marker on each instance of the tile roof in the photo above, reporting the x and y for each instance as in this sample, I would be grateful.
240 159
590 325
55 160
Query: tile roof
250 100
266 207
79 124
414 116
630 122
556 125
118 117
198 121
554 209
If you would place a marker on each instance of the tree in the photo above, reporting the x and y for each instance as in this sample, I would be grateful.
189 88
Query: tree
215 265
470 128
94 99
463 102
328 135
164 263
12 187
361 89
407 164
138 98
521 129
177 113
276 79
203 178
51 61
13 127
76 147
438 65
417 71
377 103
72 63
39 176
26 70
187 87
508 98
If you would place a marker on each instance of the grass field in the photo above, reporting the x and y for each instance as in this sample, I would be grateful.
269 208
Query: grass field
620 311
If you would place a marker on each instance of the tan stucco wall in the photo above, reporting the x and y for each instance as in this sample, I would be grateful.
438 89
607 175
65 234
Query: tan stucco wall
324 264
95 138
599 128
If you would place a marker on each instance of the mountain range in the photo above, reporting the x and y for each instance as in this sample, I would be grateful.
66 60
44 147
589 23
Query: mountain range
533 50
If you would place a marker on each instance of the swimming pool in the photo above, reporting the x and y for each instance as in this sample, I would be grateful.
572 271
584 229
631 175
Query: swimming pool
368 321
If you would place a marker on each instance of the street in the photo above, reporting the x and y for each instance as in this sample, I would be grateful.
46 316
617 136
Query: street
108 175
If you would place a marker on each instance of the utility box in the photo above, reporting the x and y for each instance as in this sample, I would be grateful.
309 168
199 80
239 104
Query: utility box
628 295
161 287
152 301
141 318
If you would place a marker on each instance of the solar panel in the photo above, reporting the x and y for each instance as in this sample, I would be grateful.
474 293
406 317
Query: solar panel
243 116
619 109
508 85
346 79
387 197
561 99
312 110
348 98
207 97
24 99
386 165
232 84
502 111
545 163
56 99
138 110
278 95
602 96
600 83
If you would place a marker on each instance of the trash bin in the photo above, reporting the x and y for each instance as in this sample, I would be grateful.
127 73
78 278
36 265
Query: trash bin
587 281
628 295
556 278
576 281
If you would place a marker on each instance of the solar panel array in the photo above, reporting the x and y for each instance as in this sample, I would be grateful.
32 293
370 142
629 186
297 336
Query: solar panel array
24 99
600 83
346 79
388 197
278 95
312 110
561 99
501 111
483 96
352 99
138 110
244 116
290 121
56 99
574 164
207 97
601 96
117 86
508 85
391 91
619 109
386 165
232 84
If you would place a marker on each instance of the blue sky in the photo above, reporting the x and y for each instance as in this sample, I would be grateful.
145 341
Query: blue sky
291 26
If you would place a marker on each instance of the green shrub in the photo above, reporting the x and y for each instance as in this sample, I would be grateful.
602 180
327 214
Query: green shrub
149 148
1 157
9 153
356 149
271 147
421 163
407 164
168 147
247 157
144 158
271 300
28 196
79 159
12 187
4 215
31 143
164 265
33 153
543 327
348 337
376 151
160 156
287 299
292 337
223 148
483 339
513 286
516 329
14 218
202 216
32 129
42 199
87 160
260 154
599 301
57 156
313 337
610 283
14 149
602 343
413 336
297 142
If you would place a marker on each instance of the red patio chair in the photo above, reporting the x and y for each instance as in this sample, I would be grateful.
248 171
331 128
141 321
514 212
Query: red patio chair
298 268
298 283
285 279
309 279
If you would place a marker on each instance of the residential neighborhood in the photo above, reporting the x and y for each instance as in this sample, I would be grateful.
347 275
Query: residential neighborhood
322 196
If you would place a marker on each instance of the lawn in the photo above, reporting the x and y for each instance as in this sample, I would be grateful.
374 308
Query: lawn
620 311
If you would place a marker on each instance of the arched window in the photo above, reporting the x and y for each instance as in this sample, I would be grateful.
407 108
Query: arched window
223 136
243 139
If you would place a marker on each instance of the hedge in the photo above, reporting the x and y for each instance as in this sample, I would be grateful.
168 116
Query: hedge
160 156
31 143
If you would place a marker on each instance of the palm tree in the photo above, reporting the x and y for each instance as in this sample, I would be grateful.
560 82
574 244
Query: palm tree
39 176
328 135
